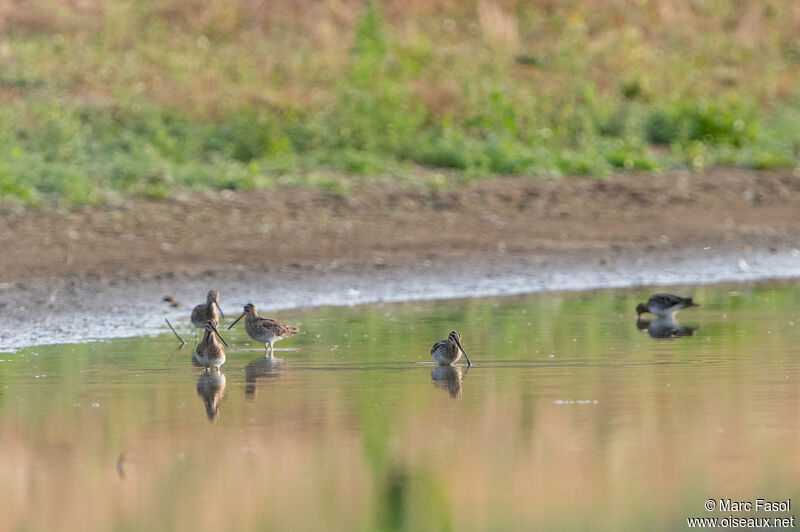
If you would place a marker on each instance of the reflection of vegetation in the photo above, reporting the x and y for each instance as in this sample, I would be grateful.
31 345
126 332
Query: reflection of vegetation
141 98
392 501
357 437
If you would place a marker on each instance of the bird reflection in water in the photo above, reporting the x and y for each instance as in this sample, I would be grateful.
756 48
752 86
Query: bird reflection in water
449 378
211 387
260 368
664 328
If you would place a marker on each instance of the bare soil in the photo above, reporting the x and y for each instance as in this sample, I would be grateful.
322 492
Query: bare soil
382 226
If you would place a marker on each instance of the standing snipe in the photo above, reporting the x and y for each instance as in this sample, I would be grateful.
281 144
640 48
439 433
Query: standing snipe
207 311
264 330
448 351
664 305
209 352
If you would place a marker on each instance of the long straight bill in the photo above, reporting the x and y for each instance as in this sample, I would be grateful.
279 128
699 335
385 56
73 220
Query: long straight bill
462 350
220 337
236 321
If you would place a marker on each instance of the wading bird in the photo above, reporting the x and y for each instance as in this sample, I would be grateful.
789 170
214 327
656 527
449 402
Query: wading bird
664 305
446 352
264 330
207 311
209 352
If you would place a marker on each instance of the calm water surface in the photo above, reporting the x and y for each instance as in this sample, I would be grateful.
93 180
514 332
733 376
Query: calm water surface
571 417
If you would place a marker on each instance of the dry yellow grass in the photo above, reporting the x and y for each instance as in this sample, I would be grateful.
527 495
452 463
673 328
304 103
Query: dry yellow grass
208 57
153 95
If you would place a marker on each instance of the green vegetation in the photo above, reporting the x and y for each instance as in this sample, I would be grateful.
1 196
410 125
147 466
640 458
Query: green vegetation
130 97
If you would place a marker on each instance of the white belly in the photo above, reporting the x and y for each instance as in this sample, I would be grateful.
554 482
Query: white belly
668 312
208 362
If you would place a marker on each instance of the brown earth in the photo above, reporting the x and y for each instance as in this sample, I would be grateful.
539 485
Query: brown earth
382 226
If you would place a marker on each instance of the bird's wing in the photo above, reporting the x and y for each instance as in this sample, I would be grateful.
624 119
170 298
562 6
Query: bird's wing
665 300
281 329
198 312
287 330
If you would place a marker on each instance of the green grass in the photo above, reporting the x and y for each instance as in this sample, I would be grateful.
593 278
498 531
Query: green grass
140 98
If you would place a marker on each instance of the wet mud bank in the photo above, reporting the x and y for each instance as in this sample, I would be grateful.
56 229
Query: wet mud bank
70 274
78 310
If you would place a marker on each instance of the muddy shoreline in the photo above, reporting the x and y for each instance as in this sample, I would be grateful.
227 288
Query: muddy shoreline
78 310
289 248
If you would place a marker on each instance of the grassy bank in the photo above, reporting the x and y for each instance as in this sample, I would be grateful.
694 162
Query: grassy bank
102 99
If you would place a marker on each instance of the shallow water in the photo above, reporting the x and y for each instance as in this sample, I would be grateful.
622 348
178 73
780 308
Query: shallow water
571 417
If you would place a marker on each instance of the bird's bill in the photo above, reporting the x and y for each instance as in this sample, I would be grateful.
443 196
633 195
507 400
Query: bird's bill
462 350
221 314
221 338
236 320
